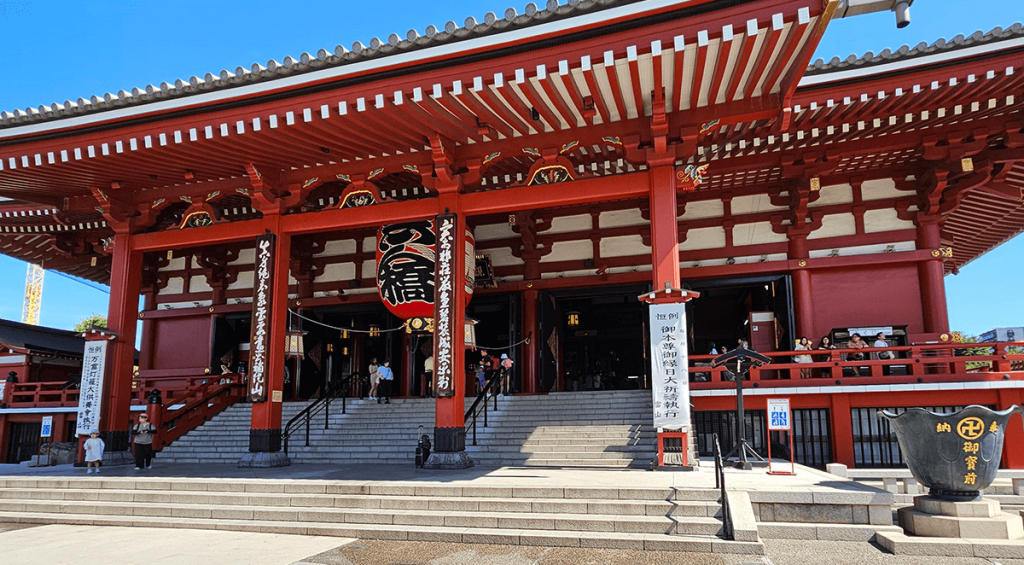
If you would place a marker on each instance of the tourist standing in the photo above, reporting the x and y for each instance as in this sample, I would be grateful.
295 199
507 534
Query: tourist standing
384 385
506 374
428 374
144 443
93 452
374 377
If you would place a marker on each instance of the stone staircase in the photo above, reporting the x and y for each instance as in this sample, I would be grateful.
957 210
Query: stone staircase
628 518
591 429
582 429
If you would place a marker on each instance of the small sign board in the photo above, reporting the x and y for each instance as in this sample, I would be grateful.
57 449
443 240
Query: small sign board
47 429
778 414
780 419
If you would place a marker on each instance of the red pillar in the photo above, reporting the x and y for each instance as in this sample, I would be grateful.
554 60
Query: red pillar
265 431
531 351
449 413
122 316
842 429
802 297
931 273
664 226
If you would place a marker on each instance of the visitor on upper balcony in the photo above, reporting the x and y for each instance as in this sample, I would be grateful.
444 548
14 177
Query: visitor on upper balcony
882 355
856 343
803 345
824 345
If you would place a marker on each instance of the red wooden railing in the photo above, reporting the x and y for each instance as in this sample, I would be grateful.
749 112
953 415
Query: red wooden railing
913 364
175 418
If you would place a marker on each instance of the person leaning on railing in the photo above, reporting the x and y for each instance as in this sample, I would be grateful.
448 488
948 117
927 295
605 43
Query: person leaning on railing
882 355
826 345
856 343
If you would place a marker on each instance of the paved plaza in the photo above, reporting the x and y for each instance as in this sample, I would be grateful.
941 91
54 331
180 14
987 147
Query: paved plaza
95 545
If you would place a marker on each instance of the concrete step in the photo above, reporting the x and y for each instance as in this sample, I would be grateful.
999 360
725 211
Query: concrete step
456 534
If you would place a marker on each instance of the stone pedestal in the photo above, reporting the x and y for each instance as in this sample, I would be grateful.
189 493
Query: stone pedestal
264 459
981 519
448 460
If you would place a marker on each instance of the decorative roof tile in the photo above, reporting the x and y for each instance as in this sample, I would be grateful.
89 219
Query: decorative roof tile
869 59
341 56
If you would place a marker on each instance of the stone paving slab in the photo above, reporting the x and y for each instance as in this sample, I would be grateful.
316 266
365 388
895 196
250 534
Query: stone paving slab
94 545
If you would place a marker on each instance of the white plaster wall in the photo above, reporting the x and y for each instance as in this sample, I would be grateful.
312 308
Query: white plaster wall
195 263
622 246
494 231
369 269
338 247
370 245
198 284
755 234
244 280
884 220
879 189
338 272
703 209
502 257
833 194
835 225
563 224
176 264
245 257
569 251
619 218
753 204
175 285
704 238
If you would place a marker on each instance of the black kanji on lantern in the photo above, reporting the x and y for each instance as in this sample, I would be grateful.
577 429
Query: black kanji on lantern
405 271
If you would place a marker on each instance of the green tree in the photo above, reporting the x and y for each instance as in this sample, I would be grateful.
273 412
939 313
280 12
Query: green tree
974 352
90 321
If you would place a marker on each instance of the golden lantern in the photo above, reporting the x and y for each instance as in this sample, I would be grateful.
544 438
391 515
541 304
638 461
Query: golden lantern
344 334
344 350
374 330
572 319
293 343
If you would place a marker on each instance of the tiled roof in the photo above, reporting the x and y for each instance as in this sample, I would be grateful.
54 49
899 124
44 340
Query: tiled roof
922 49
340 56
40 339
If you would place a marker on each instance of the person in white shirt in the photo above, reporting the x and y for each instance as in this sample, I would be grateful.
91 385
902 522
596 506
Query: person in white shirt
883 355
803 345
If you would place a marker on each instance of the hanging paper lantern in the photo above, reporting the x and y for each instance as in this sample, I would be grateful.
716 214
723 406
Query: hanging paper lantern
405 268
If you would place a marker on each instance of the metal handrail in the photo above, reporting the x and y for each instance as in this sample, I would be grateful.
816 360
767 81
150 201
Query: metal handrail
480 404
720 484
323 403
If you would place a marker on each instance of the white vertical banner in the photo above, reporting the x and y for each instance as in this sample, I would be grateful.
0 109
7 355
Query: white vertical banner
90 394
670 383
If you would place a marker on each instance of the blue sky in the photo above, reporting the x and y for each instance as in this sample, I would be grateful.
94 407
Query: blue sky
64 50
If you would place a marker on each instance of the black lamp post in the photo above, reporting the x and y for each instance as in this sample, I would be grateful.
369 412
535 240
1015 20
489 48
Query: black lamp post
743 359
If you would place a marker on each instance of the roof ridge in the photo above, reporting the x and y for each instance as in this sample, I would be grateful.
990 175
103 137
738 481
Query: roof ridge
996 34
257 72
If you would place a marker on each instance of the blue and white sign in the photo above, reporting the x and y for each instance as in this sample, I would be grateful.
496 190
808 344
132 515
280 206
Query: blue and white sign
778 414
47 430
